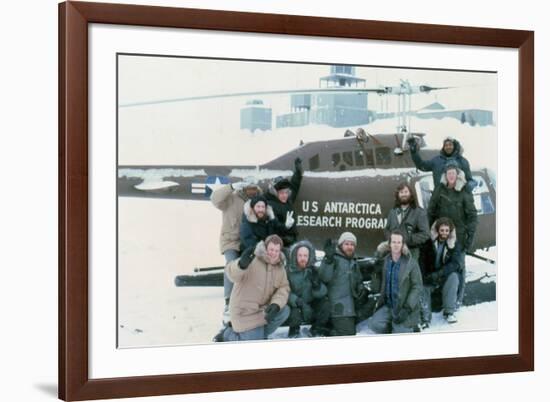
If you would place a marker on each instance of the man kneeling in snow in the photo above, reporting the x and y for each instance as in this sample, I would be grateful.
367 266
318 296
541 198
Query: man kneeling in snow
258 304
442 270
308 295
401 288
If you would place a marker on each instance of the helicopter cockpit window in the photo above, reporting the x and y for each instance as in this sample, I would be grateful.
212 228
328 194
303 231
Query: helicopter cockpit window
383 156
424 188
369 155
482 197
348 158
335 159
314 162
359 161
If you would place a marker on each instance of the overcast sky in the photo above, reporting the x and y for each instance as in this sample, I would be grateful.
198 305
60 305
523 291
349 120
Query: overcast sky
208 131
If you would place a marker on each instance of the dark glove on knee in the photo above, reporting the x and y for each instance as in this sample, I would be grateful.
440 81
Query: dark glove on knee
271 311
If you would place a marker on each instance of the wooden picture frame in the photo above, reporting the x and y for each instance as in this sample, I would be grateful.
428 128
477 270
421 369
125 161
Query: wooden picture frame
74 380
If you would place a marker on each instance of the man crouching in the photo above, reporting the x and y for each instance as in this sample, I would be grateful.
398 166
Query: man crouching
308 295
258 304
400 291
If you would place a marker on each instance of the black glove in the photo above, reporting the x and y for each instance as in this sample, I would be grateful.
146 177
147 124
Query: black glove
271 311
402 315
299 302
435 277
315 280
329 250
412 144
468 243
246 257
298 166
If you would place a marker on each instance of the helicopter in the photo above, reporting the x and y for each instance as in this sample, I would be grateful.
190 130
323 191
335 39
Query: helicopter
348 182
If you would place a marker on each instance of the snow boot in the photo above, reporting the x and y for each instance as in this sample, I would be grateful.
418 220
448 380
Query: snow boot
451 318
293 332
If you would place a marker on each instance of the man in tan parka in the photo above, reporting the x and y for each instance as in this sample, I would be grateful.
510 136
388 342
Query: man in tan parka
258 304
230 199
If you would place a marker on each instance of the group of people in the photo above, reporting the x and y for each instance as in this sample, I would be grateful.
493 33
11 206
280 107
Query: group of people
271 279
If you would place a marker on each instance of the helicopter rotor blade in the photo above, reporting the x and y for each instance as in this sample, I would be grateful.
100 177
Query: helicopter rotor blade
239 94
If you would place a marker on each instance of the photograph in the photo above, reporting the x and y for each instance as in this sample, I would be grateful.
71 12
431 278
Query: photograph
263 200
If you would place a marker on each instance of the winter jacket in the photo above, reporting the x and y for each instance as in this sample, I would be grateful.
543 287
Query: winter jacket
450 260
301 281
255 288
281 209
231 203
252 230
414 225
409 284
344 283
437 164
457 204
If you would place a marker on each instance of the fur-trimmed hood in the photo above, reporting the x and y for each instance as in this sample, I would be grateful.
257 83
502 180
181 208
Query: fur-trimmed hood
251 216
451 240
457 151
242 193
460 180
261 252
293 265
383 249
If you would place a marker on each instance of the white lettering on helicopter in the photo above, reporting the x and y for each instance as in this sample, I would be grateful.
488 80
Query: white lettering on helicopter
337 207
365 223
362 208
321 221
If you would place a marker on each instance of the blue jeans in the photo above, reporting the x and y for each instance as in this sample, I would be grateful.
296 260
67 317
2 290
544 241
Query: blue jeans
260 332
230 255
382 323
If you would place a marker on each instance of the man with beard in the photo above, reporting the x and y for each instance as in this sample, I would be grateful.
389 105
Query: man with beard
258 222
441 270
450 199
340 272
258 303
450 152
281 196
399 301
308 295
230 199
409 218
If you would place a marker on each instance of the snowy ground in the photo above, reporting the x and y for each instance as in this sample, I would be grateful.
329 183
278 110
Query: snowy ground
159 239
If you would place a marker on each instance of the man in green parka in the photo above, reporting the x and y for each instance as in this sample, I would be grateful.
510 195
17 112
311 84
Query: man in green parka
401 288
308 295
451 200
340 272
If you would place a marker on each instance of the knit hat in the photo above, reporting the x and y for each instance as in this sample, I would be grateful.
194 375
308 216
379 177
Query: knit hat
250 181
257 199
452 165
347 236
280 183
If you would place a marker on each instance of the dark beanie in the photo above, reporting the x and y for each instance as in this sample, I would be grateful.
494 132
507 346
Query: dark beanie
257 199
280 183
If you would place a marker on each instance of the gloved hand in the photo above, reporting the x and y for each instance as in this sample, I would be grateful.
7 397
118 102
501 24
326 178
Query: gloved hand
435 277
412 143
299 302
315 280
298 166
468 243
289 220
246 257
271 311
402 315
329 250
